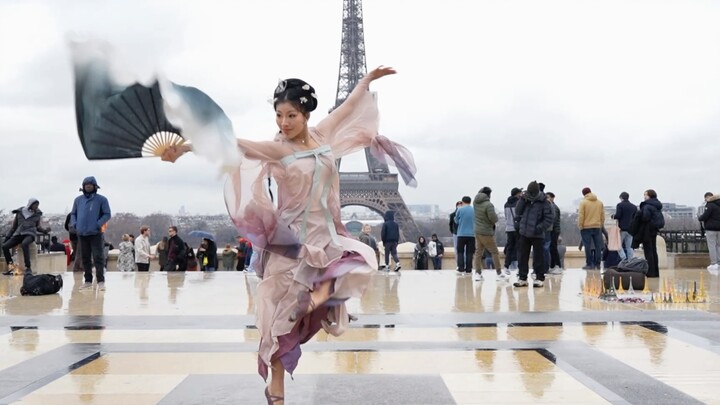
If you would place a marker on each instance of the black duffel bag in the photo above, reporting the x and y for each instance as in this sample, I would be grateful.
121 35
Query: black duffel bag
41 284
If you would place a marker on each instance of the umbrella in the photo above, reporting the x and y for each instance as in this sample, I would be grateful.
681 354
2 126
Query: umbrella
117 121
203 234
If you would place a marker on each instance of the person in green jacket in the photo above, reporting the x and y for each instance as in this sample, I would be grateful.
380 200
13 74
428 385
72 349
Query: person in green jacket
485 220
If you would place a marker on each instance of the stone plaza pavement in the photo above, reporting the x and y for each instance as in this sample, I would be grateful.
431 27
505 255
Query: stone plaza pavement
426 337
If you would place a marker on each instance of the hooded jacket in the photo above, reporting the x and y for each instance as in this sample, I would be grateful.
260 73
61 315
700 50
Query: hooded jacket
390 232
711 216
485 216
651 210
27 222
534 215
510 205
591 213
90 211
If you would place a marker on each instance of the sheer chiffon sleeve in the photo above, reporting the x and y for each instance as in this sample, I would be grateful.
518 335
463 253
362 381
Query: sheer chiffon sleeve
354 126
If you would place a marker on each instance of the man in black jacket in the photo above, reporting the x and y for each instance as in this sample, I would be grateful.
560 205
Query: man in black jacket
711 220
176 252
624 212
390 236
533 216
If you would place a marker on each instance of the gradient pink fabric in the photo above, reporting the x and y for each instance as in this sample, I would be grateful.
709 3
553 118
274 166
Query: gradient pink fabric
300 236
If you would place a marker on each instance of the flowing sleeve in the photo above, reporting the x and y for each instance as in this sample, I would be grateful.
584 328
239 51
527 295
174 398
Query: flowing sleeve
249 200
353 126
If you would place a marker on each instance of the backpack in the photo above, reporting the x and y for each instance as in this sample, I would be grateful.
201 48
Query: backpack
635 265
41 284
658 220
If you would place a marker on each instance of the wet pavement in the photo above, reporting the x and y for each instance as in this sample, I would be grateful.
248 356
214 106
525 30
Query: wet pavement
426 337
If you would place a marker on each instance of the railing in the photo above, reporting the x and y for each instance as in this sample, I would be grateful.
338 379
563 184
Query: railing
685 241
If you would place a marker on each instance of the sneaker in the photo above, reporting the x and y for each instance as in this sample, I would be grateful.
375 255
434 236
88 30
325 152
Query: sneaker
101 286
383 267
555 271
538 283
713 267
8 273
85 286
520 283
502 277
478 277
398 267
588 268
506 272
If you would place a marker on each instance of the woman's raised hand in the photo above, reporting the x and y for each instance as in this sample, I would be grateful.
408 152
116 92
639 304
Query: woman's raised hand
381 71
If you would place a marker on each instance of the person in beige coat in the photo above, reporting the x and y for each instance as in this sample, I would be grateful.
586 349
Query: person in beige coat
591 217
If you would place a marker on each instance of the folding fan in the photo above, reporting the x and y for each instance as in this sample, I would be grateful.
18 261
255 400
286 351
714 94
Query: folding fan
116 121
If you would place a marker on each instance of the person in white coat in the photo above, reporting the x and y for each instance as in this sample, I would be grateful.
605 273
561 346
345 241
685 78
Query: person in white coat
142 249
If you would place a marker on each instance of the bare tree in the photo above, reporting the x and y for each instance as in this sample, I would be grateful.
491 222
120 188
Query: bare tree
159 224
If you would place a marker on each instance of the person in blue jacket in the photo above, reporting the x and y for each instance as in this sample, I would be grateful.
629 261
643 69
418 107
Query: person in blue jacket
89 213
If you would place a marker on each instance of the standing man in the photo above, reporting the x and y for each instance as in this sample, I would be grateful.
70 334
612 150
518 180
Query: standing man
512 235
90 212
176 252
532 217
437 251
390 236
25 228
485 220
624 212
453 231
555 266
591 217
142 249
711 220
465 250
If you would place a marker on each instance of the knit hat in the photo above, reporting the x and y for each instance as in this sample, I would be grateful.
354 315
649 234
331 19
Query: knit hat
586 190
533 188
486 190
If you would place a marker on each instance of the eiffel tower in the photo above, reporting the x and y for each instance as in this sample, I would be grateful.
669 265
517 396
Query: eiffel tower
377 188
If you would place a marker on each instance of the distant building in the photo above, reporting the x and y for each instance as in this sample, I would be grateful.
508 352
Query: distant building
431 211
679 211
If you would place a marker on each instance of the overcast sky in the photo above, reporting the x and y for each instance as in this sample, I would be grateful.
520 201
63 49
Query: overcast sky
614 95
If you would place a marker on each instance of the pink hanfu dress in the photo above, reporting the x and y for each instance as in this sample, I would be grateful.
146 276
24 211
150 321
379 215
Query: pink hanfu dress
301 238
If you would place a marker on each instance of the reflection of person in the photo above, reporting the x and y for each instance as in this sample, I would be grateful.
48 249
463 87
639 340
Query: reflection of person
90 212
309 259
25 228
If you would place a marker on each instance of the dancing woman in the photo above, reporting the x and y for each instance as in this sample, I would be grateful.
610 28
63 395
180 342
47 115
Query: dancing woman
310 264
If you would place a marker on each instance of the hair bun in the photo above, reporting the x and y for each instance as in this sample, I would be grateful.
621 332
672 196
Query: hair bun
298 91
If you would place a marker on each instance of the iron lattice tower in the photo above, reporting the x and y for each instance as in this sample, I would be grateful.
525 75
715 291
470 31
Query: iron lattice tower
377 189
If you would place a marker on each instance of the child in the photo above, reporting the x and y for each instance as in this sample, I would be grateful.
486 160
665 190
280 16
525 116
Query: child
228 258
